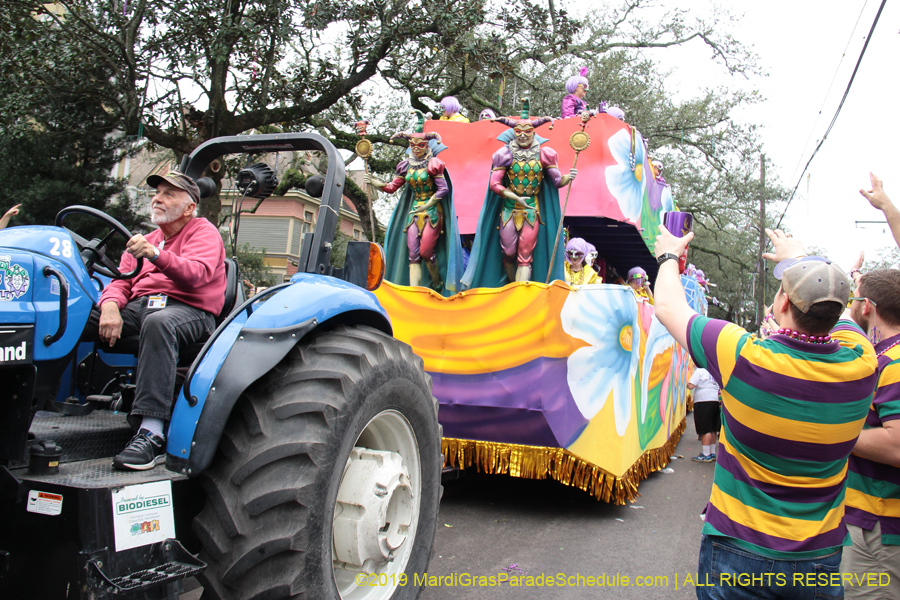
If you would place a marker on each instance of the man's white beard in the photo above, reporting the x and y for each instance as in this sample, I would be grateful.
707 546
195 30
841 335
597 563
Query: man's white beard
167 217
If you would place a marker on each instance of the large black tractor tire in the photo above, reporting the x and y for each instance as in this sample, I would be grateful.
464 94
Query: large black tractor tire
329 467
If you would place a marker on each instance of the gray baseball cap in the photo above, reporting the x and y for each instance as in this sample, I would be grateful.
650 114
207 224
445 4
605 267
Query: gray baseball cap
179 180
813 279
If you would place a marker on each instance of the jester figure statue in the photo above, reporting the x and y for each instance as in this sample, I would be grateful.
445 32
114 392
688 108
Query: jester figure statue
528 210
415 231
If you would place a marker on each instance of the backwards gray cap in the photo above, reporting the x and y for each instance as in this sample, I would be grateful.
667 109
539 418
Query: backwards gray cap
813 279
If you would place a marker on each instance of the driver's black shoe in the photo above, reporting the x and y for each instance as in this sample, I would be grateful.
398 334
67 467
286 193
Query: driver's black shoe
142 453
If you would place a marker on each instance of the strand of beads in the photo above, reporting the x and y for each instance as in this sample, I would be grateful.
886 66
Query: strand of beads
632 156
883 352
803 337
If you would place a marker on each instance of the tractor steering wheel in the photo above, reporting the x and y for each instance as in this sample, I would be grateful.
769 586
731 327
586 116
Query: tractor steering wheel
93 252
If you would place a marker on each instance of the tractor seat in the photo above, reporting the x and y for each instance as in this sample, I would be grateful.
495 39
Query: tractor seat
129 344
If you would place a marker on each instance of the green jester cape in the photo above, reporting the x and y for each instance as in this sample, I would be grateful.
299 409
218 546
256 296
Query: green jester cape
448 251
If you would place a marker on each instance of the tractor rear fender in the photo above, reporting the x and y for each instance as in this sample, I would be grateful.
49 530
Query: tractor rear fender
245 348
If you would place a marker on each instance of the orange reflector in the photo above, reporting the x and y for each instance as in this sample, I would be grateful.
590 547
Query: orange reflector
376 267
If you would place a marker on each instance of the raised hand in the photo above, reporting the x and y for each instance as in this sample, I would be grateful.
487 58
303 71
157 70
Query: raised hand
786 246
666 243
876 195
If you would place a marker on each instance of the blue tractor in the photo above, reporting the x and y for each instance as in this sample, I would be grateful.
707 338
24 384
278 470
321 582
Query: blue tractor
303 452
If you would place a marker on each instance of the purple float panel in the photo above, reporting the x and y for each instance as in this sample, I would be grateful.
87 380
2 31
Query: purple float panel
530 404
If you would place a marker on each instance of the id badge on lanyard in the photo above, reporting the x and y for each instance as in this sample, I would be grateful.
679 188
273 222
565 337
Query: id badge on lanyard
156 302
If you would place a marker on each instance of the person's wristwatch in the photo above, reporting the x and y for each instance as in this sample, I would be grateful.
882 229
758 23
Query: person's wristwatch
155 255
667 256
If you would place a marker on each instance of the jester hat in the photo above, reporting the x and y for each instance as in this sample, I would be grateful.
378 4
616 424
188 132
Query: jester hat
419 130
524 118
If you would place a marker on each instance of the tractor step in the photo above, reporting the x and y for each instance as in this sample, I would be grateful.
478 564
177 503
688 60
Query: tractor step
99 434
181 564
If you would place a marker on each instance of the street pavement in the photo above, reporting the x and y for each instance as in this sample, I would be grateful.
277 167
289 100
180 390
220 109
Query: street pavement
502 526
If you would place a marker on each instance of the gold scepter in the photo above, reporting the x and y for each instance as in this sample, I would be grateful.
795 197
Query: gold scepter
364 151
578 141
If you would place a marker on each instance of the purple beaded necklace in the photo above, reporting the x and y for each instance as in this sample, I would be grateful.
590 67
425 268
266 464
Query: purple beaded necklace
811 339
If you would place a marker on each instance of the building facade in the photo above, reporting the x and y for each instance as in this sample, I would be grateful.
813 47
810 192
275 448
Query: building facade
278 225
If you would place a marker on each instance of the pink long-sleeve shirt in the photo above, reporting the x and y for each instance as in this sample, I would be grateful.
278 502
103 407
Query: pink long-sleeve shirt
190 269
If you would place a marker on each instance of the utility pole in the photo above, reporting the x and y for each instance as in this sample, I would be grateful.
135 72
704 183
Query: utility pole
761 288
753 277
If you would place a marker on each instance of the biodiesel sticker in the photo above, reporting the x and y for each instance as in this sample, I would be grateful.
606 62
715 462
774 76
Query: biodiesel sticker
142 514
44 503
13 280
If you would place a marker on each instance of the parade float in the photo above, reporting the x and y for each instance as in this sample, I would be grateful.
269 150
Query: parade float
538 380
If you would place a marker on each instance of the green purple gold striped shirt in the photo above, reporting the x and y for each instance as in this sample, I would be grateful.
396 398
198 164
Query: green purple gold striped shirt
873 488
791 413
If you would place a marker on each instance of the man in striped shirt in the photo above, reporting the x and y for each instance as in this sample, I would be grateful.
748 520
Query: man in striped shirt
793 406
873 486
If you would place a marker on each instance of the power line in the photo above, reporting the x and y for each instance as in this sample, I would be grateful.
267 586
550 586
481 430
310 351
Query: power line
830 85
836 113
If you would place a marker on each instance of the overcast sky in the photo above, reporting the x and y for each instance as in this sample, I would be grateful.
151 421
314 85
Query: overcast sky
800 44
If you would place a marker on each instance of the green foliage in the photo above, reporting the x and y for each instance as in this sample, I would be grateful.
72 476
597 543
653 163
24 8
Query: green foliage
58 149
339 249
358 195
888 258
725 205
258 63
48 170
290 179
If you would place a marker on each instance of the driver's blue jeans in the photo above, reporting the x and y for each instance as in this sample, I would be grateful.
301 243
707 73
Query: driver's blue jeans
163 332
737 574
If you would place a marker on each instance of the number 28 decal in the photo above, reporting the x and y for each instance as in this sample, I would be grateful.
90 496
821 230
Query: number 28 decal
66 246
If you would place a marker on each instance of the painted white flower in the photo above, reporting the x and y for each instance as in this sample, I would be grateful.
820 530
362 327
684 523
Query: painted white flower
608 321
627 187
668 204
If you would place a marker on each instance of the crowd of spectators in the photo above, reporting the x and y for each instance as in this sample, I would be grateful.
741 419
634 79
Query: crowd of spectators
805 479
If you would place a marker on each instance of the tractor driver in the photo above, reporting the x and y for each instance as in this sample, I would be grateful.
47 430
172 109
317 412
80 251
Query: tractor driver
171 303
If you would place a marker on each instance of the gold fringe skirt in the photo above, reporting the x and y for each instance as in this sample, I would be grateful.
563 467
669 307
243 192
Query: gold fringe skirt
541 462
